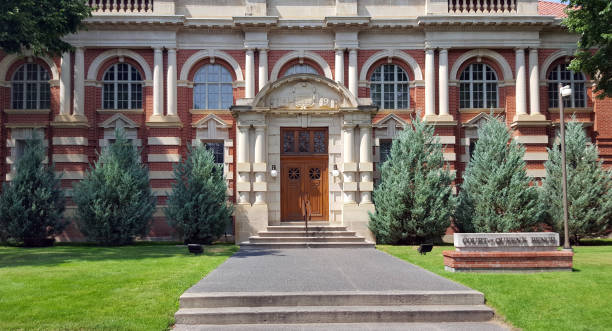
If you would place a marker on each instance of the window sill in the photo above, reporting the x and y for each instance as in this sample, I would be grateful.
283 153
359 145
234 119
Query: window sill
481 110
208 111
27 111
403 110
568 110
113 111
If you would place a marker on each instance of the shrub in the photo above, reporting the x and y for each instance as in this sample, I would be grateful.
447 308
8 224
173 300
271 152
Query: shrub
589 186
414 201
197 207
114 201
32 203
496 195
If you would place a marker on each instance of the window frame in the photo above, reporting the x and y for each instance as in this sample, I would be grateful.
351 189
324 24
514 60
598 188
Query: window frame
217 142
39 83
484 83
115 83
560 67
395 82
312 71
220 83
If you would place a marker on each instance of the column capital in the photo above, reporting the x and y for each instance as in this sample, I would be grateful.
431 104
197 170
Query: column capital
519 49
430 50
443 50
339 49
173 49
259 127
352 50
157 48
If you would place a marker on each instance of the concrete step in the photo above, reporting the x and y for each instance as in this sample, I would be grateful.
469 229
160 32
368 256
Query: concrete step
269 240
305 234
334 314
446 326
339 298
274 228
283 245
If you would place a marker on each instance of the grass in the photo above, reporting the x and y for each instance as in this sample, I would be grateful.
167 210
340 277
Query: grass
578 300
79 287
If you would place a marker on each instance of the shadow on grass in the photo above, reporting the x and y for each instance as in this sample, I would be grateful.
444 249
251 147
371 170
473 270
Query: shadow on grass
51 256
595 242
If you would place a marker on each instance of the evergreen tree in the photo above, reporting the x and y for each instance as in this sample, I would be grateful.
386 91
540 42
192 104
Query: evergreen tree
589 186
32 203
496 195
414 200
197 207
114 201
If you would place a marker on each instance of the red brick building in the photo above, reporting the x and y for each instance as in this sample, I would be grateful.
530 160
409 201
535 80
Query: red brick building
312 91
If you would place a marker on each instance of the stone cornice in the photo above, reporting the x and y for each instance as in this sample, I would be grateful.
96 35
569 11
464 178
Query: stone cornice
481 20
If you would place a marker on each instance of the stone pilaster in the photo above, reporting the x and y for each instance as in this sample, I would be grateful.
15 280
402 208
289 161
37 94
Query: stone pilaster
352 74
366 185
430 81
243 166
259 165
158 82
339 66
171 81
65 84
249 79
263 68
521 90
349 186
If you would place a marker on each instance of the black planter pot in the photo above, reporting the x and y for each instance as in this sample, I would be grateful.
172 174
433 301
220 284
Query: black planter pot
38 242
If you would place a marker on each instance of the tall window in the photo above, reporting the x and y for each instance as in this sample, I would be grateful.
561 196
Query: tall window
212 88
385 150
31 87
300 69
389 87
478 87
122 87
576 80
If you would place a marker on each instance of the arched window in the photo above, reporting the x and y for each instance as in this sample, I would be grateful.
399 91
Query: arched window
478 87
212 88
300 69
122 87
31 87
576 80
389 87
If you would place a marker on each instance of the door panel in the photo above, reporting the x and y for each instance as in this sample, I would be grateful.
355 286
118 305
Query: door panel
304 177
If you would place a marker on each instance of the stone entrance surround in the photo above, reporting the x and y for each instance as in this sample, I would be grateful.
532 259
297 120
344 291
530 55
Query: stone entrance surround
303 101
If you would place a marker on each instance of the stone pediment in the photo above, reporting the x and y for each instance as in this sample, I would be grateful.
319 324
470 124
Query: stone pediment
305 92
392 119
478 120
220 123
119 121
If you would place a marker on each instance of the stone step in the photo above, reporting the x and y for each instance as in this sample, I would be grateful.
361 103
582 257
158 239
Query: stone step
337 298
334 314
282 245
444 326
273 228
257 239
305 234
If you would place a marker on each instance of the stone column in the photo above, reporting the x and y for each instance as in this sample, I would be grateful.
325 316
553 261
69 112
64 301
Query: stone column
65 84
534 82
349 163
79 82
260 159
339 66
430 81
443 82
171 81
249 79
263 68
521 91
242 159
365 162
352 74
158 82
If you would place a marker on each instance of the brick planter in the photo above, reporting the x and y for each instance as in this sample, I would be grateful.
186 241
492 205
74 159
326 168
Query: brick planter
507 261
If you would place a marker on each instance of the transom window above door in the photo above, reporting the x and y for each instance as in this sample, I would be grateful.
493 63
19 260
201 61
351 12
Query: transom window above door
389 87
303 141
212 87
300 69
478 87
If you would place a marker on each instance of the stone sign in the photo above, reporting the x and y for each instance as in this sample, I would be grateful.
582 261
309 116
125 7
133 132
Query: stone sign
508 242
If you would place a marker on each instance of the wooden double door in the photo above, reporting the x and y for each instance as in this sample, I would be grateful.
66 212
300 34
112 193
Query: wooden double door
304 175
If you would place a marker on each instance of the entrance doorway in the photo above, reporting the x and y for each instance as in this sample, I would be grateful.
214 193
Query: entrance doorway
304 161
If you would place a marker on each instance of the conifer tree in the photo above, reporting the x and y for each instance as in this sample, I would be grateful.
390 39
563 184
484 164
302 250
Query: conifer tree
197 207
114 201
32 203
496 195
414 201
589 186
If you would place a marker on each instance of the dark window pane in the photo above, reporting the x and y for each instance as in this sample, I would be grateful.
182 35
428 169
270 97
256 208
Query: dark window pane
217 149
385 150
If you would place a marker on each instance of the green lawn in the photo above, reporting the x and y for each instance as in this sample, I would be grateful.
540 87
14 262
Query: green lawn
579 300
103 288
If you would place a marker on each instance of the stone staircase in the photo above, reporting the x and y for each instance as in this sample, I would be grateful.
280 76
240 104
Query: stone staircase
294 235
206 310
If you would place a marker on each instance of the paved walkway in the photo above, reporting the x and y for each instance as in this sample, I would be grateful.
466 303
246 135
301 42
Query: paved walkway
319 269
